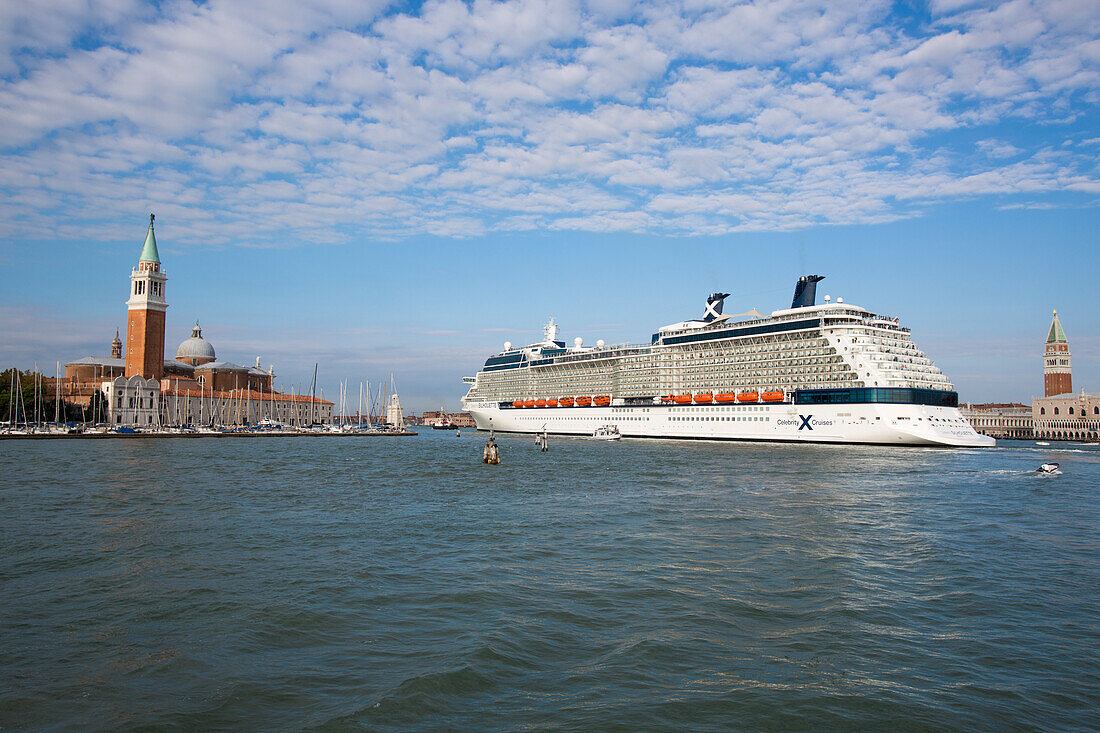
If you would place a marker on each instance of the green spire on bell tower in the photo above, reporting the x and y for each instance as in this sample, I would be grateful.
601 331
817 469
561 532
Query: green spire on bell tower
1056 335
149 251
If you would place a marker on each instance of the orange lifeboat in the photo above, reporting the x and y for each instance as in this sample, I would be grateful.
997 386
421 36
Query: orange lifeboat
540 403
774 396
584 401
602 400
704 399
565 401
725 398
528 403
667 398
551 403
748 397
517 403
682 399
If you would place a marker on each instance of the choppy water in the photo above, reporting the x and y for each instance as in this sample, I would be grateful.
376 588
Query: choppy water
400 584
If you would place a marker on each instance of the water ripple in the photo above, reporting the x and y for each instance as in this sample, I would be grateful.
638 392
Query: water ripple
403 585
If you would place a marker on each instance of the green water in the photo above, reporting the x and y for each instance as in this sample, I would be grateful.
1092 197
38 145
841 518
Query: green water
400 584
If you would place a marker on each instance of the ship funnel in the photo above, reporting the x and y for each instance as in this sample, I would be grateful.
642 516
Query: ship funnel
805 291
714 306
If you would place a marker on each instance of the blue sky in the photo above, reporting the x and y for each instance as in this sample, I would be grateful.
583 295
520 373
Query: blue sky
403 187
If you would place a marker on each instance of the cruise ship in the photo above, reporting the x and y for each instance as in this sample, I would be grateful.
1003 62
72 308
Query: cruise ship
823 373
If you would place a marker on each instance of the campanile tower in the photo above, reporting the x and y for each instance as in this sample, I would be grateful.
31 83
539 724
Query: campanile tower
145 320
1057 378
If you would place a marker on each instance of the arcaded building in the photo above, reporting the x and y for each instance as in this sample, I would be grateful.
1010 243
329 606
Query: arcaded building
1060 414
1000 420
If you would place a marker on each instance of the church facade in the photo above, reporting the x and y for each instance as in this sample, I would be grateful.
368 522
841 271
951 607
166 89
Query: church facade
142 388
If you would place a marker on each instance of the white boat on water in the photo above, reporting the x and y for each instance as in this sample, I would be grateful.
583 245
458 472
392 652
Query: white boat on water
813 373
606 432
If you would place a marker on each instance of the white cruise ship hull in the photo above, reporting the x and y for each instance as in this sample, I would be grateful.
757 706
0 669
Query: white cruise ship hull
875 424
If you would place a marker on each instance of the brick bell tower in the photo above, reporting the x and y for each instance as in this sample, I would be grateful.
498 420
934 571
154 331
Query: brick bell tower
1057 378
145 320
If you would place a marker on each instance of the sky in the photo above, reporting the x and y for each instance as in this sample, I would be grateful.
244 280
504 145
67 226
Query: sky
399 188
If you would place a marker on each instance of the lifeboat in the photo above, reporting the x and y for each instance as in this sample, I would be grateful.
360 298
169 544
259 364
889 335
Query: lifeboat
584 401
725 398
773 396
704 399
682 399
528 403
517 403
748 397
667 398
601 400
551 403
540 403
565 401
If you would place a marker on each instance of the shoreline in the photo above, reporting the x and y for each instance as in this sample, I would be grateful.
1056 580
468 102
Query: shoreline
273 434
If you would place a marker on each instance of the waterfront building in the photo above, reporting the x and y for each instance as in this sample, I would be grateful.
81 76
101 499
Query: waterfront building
1067 417
143 388
132 400
458 419
1059 414
1000 420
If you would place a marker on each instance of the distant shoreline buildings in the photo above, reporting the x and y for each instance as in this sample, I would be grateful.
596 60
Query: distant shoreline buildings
143 388
1058 415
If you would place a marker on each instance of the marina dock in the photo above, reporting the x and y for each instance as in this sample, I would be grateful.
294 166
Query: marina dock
228 434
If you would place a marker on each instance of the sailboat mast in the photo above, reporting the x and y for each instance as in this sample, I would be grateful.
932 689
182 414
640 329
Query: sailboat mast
313 395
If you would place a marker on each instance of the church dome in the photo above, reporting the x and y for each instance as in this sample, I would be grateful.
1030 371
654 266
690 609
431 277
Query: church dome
195 350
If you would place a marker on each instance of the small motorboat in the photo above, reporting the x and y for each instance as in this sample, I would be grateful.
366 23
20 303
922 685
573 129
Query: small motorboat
1051 469
607 432
1040 442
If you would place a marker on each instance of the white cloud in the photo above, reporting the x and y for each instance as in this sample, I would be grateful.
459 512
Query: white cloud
461 118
